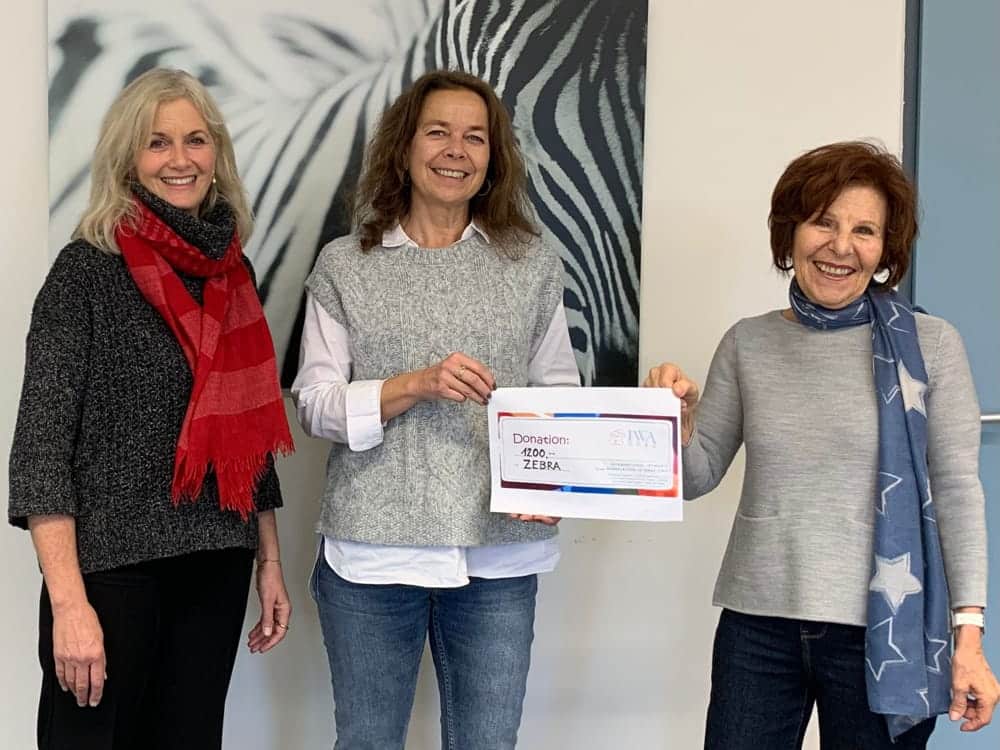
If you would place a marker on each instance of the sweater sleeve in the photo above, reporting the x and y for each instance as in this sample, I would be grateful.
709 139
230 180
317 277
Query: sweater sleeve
268 496
719 423
52 394
953 437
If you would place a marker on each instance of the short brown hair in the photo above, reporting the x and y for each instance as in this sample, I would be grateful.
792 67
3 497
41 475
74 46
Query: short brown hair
384 190
814 180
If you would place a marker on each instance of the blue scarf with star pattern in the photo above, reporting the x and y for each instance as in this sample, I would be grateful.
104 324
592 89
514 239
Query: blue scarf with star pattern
907 639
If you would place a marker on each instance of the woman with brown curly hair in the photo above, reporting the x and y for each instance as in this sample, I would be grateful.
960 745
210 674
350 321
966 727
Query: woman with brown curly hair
442 295
861 526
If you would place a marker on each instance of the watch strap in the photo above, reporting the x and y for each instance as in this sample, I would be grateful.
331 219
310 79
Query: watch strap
968 618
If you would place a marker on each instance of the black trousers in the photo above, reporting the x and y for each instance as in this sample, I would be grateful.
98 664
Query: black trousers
171 631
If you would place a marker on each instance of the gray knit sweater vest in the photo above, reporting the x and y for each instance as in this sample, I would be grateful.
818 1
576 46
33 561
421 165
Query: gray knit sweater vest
405 309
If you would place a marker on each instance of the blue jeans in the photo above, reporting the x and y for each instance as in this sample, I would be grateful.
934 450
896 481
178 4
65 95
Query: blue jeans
480 638
767 672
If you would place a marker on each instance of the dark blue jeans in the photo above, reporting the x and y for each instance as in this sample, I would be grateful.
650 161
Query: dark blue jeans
767 672
480 637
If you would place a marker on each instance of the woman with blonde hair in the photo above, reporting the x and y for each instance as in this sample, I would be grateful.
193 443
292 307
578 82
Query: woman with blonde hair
150 415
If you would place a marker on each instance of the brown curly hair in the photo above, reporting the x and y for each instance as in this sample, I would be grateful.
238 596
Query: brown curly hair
383 194
814 180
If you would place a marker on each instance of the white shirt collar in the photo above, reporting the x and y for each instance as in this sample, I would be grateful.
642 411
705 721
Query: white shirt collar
397 237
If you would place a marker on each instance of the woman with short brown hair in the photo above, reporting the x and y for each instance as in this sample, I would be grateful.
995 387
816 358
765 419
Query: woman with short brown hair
860 539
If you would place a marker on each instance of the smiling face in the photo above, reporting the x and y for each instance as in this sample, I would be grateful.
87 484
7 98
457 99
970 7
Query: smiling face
450 150
836 253
177 163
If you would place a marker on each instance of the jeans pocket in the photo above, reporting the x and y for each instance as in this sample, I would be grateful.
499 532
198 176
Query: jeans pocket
314 575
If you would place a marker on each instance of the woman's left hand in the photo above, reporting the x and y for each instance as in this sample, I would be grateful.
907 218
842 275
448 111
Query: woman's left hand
971 676
547 520
275 608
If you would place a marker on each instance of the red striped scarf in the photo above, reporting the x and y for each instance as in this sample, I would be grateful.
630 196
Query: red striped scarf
235 417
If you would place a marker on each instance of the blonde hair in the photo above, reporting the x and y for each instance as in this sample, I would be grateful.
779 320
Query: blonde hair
124 133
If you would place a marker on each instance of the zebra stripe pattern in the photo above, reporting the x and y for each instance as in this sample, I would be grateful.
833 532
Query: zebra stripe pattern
303 85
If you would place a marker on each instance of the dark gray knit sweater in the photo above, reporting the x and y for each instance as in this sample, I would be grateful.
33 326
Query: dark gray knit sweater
105 391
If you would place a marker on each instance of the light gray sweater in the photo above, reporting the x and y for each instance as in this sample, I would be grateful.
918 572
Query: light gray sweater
803 402
407 308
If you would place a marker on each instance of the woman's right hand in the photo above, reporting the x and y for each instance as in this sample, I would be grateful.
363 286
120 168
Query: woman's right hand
78 648
77 637
669 375
457 377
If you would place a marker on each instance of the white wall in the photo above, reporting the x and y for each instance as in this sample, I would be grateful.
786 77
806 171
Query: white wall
621 657
23 259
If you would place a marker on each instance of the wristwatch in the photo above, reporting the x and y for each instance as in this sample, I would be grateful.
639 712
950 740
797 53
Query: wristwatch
968 618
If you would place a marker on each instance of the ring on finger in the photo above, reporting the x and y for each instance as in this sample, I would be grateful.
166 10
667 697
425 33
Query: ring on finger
461 372
281 625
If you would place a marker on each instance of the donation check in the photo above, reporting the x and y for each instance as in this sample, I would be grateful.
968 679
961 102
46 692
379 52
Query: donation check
586 453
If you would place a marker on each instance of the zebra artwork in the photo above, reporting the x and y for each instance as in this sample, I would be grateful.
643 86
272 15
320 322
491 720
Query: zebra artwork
302 84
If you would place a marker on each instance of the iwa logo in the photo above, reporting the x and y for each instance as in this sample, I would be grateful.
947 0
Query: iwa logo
632 438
